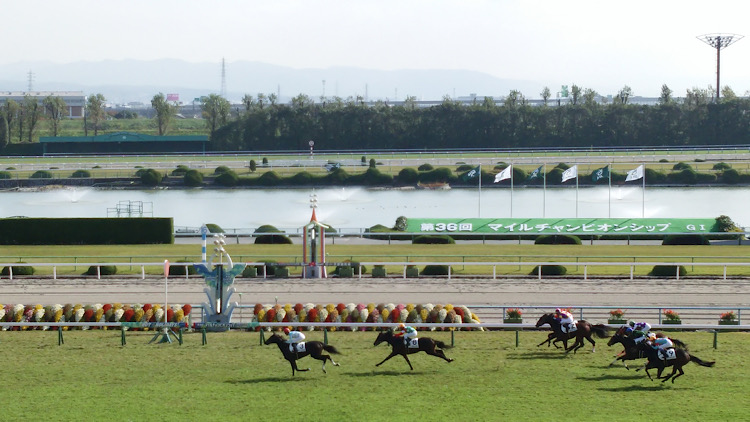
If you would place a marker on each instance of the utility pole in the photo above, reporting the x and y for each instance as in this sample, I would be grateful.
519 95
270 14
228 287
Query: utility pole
719 42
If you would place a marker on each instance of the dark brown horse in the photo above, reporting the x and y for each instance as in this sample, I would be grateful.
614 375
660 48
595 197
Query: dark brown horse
313 348
682 359
631 351
584 330
398 347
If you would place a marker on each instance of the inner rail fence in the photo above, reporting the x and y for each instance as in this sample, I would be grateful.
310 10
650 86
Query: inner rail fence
406 268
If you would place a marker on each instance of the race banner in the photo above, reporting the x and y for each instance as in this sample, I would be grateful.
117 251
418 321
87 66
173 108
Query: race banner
577 226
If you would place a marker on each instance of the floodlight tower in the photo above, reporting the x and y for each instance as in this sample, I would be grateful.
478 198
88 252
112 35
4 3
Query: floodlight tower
719 42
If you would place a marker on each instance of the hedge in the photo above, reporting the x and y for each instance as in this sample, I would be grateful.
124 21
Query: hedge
550 270
17 270
557 239
667 271
685 239
437 239
103 270
435 270
86 231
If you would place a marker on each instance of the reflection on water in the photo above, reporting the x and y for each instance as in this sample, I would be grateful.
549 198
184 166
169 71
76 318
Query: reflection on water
353 207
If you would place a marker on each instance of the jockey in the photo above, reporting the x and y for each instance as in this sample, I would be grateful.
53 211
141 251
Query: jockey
294 337
565 319
407 333
661 343
639 331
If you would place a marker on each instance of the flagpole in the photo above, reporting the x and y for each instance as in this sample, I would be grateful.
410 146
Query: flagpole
479 208
643 194
576 192
609 210
511 190
544 190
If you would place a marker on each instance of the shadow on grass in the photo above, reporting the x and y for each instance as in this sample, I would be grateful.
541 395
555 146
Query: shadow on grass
623 376
386 373
538 355
269 379
646 387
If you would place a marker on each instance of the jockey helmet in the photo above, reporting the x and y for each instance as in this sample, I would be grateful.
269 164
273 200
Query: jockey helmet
651 336
558 310
401 326
286 330
631 323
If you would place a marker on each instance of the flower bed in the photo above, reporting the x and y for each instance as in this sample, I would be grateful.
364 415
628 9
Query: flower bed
110 312
616 316
672 317
728 318
364 313
513 316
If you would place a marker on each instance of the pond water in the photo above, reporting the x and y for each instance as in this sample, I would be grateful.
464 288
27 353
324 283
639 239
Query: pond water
360 207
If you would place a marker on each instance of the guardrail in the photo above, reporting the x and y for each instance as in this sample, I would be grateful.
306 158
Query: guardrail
405 265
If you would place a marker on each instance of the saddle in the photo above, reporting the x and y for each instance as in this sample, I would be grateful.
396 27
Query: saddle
668 354
571 328
413 343
300 347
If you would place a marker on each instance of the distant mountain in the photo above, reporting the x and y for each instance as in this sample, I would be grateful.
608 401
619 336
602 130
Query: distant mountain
126 81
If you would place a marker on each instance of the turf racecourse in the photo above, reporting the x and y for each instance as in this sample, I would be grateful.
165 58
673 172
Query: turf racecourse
91 376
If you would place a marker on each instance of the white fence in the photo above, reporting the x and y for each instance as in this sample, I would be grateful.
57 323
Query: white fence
404 265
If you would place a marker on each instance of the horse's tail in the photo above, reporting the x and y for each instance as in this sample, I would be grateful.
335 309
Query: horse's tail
442 345
700 362
601 330
680 344
330 349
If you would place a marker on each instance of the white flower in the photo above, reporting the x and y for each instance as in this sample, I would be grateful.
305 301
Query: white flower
428 306
390 307
159 314
280 315
363 314
39 315
118 314
97 306
57 307
17 308
351 307
323 314
2 313
79 314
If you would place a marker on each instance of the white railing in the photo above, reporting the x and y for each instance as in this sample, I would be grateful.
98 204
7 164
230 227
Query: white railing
404 265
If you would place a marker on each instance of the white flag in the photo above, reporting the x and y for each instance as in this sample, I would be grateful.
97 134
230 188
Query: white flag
570 173
635 174
505 174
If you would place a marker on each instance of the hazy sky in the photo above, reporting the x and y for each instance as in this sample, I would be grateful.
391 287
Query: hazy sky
596 44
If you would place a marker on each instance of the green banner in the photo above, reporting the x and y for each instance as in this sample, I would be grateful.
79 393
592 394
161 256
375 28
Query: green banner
575 226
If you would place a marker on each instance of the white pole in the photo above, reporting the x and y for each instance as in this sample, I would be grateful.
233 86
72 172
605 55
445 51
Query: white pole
544 191
479 208
576 192
166 300
609 199
511 191
643 194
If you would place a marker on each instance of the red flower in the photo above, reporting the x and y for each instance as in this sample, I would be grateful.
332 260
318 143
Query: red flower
256 309
146 307
170 315
340 307
128 315
395 315
187 309
106 307
312 315
271 315
298 307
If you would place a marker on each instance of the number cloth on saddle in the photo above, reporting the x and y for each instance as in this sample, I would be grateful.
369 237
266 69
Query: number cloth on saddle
300 347
667 354
413 343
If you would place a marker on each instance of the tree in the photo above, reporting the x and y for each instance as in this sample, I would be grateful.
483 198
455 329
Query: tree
253 166
216 112
728 94
545 94
55 108
11 111
4 139
248 102
95 111
165 113
575 94
666 95
624 94
33 112
589 97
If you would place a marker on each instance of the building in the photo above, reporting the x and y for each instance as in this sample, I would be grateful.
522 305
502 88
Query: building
75 101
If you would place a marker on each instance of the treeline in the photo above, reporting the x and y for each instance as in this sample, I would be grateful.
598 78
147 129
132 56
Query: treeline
352 125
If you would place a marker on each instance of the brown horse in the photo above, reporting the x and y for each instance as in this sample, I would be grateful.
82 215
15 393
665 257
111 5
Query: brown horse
398 347
631 350
313 348
583 331
682 359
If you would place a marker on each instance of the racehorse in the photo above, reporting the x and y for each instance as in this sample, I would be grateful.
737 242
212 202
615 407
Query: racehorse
313 348
583 331
631 350
682 358
398 347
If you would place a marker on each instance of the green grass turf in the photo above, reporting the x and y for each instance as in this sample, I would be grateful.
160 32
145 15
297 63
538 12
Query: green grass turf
400 252
232 378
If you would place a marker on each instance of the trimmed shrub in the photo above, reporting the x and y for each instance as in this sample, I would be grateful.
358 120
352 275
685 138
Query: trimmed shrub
301 178
180 170
550 270
176 269
667 271
354 269
730 176
685 239
273 239
269 178
426 167
81 174
41 174
214 228
338 176
227 178
103 270
149 177
253 166
721 166
686 176
193 178
407 176
5 175
270 266
464 168
682 166
437 239
435 270
17 270
439 175
250 272
557 239
221 170
401 222
378 271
